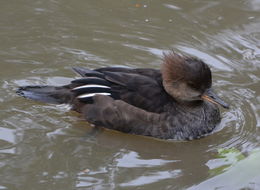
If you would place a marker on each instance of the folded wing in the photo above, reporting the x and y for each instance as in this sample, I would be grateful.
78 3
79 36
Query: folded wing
139 87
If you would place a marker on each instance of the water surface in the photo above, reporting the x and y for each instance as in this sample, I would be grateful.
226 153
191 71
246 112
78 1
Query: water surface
47 147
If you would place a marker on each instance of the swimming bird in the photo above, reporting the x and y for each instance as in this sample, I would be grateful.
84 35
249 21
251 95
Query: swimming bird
176 102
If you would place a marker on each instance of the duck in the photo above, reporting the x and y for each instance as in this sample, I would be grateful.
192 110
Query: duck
175 102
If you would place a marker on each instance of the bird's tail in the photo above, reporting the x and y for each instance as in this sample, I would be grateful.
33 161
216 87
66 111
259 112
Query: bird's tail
47 94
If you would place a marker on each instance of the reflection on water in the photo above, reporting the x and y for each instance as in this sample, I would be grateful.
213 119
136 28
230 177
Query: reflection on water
226 180
48 147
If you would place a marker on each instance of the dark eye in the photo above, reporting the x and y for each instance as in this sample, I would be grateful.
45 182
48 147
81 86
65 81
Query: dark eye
192 85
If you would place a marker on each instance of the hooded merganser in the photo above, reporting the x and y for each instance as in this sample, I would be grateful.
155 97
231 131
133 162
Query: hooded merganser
174 103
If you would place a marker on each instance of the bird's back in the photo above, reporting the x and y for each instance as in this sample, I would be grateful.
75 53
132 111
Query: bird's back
141 88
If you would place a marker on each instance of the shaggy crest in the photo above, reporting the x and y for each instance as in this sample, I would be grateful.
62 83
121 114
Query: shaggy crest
193 71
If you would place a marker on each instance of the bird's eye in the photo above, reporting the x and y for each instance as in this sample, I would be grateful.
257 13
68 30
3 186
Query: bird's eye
192 85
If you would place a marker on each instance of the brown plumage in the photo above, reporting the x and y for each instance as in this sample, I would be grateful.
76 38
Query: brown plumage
174 103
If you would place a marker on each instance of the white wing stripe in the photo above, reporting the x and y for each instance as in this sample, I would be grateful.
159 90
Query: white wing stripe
93 94
90 86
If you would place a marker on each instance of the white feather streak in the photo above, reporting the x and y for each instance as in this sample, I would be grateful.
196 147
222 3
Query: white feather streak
90 86
93 94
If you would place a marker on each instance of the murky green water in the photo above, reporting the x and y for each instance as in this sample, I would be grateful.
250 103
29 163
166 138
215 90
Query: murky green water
46 147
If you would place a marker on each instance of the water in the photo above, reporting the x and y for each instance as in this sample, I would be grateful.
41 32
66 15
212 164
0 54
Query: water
47 147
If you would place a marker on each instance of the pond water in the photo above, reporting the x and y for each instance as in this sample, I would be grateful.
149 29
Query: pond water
48 147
